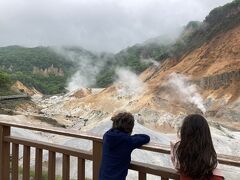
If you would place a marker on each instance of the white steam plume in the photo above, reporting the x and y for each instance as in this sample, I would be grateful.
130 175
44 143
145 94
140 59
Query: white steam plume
86 74
128 83
188 92
150 60
87 69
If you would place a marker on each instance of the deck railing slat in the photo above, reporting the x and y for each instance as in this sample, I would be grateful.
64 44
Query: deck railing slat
97 156
142 176
5 153
26 162
81 169
164 178
66 167
51 165
15 159
38 164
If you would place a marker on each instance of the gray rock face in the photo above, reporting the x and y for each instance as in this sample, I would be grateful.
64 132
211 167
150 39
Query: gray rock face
219 80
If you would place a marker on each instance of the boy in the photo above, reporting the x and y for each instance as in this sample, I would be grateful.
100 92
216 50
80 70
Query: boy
118 145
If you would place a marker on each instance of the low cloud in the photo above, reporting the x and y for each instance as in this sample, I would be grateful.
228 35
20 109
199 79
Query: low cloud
106 25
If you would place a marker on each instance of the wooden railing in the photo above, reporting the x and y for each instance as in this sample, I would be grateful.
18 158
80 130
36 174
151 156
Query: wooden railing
9 158
22 96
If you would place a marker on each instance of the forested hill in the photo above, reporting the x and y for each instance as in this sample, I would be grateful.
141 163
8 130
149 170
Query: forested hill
48 69
38 67
219 21
17 58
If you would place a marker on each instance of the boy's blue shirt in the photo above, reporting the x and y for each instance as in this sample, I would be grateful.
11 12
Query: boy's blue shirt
116 156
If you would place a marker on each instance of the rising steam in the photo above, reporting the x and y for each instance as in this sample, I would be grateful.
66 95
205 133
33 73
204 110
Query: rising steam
187 91
151 61
128 83
88 67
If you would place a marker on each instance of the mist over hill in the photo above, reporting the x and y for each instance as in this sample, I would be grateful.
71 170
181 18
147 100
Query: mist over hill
53 70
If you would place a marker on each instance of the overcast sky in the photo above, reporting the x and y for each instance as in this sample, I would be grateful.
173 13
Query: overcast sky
99 25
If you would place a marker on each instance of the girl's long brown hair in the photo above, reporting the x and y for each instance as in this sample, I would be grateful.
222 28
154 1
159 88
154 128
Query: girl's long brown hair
195 151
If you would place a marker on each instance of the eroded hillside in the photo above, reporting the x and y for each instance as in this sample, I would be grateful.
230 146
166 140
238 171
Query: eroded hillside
206 80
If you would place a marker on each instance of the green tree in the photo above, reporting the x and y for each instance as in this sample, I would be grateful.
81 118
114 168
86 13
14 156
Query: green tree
5 80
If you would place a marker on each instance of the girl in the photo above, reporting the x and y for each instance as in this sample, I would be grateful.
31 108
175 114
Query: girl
194 155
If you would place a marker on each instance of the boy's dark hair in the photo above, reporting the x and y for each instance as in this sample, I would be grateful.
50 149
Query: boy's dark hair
123 121
195 151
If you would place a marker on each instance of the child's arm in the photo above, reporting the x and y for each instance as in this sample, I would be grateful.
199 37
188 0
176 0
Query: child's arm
139 139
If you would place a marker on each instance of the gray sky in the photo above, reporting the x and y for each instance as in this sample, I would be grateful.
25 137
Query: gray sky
99 25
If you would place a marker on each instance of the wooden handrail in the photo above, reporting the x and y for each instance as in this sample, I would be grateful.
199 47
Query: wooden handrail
153 147
53 130
23 96
154 170
50 147
95 155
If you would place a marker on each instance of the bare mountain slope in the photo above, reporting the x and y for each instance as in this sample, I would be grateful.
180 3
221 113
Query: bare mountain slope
210 72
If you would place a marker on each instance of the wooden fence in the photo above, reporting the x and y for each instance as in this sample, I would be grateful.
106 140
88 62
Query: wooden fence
9 158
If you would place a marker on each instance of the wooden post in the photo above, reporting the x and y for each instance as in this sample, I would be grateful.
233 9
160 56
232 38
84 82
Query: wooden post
164 178
66 167
142 176
4 153
51 165
26 162
1 147
38 164
97 157
15 157
81 169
